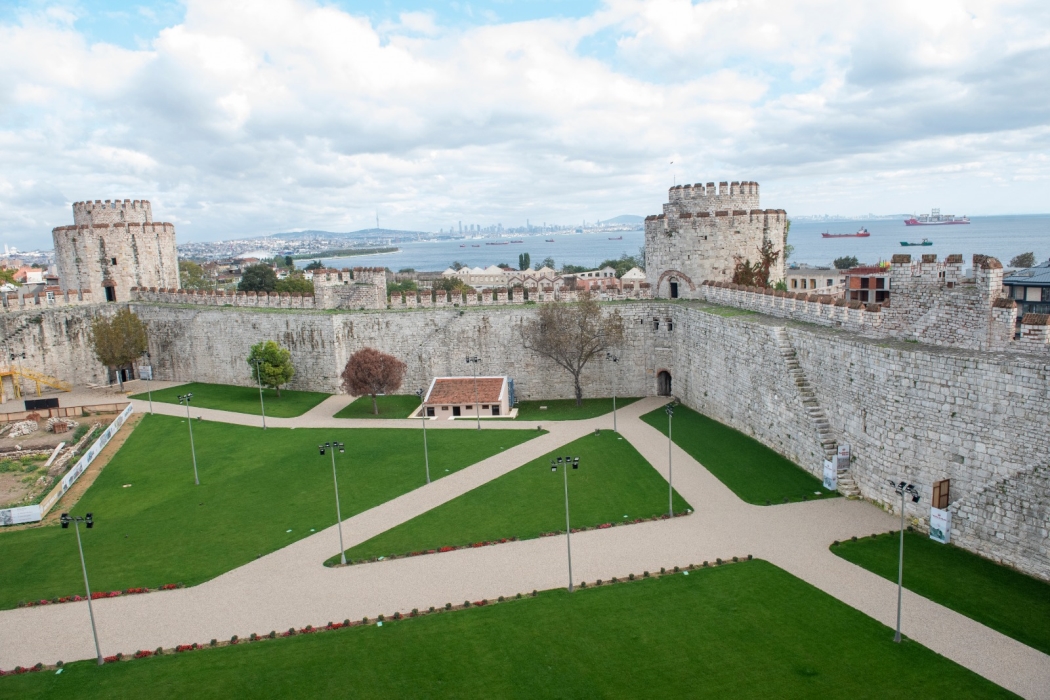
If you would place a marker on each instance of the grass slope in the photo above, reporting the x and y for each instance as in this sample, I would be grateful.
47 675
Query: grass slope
751 470
566 409
255 486
994 595
613 481
394 406
240 399
747 630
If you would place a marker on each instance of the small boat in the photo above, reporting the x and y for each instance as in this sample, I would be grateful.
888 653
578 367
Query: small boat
517 241
618 238
550 240
475 245
464 245
925 241
936 218
862 233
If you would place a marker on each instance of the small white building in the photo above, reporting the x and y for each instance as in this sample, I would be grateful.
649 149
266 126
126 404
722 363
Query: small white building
456 397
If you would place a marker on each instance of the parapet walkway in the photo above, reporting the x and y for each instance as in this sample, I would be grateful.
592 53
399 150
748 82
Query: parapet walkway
291 587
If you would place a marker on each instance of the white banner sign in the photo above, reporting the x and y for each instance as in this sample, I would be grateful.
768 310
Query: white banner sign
831 476
17 516
940 525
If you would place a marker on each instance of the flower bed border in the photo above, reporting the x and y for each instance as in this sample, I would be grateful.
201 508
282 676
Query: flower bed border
504 540
97 595
379 619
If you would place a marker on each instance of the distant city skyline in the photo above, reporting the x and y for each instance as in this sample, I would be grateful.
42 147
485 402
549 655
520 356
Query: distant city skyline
329 116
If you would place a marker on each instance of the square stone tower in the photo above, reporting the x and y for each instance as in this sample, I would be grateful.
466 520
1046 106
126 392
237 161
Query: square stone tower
702 231
113 246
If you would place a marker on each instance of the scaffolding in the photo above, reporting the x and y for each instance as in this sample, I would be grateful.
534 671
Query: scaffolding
19 375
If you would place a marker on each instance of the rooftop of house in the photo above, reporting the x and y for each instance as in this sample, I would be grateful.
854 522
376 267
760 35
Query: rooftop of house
460 390
1038 276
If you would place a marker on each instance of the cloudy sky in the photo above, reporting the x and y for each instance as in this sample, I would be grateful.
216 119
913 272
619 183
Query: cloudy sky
242 117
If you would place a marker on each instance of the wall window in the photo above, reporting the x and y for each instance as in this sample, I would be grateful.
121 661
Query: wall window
656 324
670 324
794 283
803 284
831 283
113 261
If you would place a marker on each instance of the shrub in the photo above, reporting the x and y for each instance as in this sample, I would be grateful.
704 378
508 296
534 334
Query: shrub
346 622
39 666
397 615
253 636
534 593
364 620
630 577
706 564
853 539
233 639
500 599
598 582
735 560
835 543
749 557
60 664
380 618
273 634
291 632
645 574
159 651
518 596
614 580
676 569
466 603
415 612
663 570
431 608
214 642
448 606
718 561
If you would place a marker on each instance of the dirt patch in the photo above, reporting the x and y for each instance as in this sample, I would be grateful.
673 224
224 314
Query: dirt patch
72 496
21 478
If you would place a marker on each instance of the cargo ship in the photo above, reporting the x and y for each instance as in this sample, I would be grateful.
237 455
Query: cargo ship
862 233
935 218
925 241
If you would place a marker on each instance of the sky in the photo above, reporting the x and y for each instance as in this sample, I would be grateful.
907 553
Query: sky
247 117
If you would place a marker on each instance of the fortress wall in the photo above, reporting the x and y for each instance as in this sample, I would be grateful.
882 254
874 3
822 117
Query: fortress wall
56 341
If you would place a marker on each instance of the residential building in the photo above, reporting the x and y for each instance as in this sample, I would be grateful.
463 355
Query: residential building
1030 289
456 397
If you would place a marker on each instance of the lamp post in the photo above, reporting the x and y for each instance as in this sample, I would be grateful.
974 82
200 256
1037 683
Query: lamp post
423 416
89 522
614 359
185 400
332 447
258 375
564 463
149 380
669 408
473 360
903 489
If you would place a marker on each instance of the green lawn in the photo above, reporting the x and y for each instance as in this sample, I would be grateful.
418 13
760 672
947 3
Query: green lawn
613 484
994 595
746 630
260 490
566 409
240 399
394 406
751 470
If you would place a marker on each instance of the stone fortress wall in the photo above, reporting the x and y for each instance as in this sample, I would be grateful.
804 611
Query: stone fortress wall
703 230
113 246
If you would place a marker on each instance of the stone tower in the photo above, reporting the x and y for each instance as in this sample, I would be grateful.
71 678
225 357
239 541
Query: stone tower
702 231
113 246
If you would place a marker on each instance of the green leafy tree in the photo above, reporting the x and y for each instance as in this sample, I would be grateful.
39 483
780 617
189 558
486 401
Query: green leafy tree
315 265
406 270
450 284
401 287
294 283
457 265
258 278
549 262
274 366
524 261
621 264
119 340
572 269
7 276
846 262
1023 260
193 276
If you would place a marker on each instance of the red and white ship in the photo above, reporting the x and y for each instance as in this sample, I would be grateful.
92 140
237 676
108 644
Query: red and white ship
862 233
935 218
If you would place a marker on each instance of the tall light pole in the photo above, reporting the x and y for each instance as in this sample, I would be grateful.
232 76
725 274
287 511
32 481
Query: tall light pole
332 447
564 463
185 399
423 416
903 489
149 380
473 360
614 359
670 488
89 522
258 375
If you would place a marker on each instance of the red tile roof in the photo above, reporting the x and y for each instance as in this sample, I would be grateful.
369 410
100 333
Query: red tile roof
460 390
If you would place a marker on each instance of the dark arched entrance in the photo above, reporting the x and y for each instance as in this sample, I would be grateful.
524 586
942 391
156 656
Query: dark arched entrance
674 288
663 383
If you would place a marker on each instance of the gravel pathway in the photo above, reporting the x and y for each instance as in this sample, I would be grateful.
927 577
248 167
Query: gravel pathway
290 587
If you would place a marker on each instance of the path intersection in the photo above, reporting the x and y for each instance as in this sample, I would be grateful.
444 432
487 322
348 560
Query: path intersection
292 588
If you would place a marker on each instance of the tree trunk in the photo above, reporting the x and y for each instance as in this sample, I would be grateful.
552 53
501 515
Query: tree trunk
579 390
278 391
375 406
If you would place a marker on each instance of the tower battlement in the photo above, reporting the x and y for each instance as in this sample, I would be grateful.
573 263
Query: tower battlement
112 211
726 196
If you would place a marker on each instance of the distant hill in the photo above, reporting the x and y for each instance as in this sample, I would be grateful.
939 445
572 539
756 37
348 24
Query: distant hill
363 233
625 219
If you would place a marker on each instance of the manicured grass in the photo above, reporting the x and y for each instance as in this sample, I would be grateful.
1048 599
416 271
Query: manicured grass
566 409
394 406
260 491
613 484
746 630
240 399
994 595
751 470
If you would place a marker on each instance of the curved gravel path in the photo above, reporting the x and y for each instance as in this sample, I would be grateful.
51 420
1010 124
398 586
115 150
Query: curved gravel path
291 587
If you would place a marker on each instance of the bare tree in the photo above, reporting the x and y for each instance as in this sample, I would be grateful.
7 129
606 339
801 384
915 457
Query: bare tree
118 341
572 334
371 372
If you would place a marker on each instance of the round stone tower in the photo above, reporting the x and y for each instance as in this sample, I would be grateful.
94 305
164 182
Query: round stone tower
113 246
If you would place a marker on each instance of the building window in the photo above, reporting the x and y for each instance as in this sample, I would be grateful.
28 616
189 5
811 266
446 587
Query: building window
51 297
444 408
656 324
670 324
831 283
113 261
794 283
812 284
470 407
484 407
430 411
803 284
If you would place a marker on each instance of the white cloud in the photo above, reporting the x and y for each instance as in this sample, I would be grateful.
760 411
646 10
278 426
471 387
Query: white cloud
239 120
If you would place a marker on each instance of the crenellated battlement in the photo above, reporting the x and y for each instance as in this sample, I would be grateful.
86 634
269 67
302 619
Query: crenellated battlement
112 212
727 196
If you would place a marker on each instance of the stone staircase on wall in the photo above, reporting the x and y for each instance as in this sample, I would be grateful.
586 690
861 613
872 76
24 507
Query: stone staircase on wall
817 417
